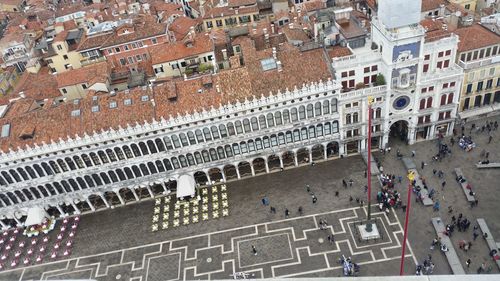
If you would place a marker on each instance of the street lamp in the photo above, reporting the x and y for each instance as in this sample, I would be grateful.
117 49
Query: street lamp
368 227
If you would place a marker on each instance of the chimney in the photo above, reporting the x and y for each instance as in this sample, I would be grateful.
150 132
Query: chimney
272 28
236 11
264 30
254 31
274 52
291 25
224 54
278 65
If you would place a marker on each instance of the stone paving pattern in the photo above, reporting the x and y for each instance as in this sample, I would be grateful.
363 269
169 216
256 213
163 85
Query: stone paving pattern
118 244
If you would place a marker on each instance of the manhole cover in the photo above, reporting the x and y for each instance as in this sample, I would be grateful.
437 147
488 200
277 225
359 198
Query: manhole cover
320 240
209 259
118 276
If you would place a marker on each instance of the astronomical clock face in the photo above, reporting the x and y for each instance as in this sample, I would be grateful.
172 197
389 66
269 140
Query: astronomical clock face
401 102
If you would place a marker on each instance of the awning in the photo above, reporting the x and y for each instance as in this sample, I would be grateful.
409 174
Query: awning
36 215
185 186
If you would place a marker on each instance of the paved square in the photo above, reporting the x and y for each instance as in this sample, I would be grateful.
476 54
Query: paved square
274 248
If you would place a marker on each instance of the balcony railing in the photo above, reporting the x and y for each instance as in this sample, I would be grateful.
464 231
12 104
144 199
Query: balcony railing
93 60
476 64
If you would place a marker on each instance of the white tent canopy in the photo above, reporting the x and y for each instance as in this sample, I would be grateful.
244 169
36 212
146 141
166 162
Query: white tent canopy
36 215
186 186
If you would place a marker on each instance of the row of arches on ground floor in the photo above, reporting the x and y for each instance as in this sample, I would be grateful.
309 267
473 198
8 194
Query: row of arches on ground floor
104 178
259 165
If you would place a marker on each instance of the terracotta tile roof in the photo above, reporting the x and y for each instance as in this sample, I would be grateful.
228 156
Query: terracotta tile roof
61 36
312 6
11 2
475 37
296 34
39 86
93 42
142 30
169 52
434 29
166 7
54 121
216 12
91 74
181 26
428 5
338 51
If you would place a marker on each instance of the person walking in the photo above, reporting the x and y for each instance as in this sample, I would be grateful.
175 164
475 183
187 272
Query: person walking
273 210
254 250
314 199
475 235
351 182
301 211
468 262
443 184
287 213
490 138
422 165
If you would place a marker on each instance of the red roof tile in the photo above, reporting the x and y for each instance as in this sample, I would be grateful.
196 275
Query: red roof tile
475 37
169 52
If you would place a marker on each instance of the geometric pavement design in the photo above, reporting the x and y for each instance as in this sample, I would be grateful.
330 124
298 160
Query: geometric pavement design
293 247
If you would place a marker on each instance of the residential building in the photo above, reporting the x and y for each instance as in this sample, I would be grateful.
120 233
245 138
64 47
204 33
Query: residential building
229 13
195 54
75 84
8 80
479 56
61 53
17 48
433 8
12 5
466 4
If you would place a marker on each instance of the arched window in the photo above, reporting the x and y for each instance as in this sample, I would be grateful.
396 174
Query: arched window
220 152
334 105
159 144
262 122
236 149
135 150
206 156
121 174
302 112
355 117
207 134
289 137
63 165
443 100
127 151
246 125
312 132
213 154
277 118
286 116
281 139
296 135
152 168
144 169
295 116
190 159
255 124
266 142
31 172
239 127
422 103
152 146
348 119
191 138
175 163
450 98
23 174
317 109
223 131
378 112
243 147
175 141
229 151
167 164
111 155
326 107
197 157
251 146
39 170
274 140
270 120
429 102
144 148
105 178
230 129
54 166
119 153
310 111
258 144
159 166
328 128
199 136
319 130
303 134
184 140
129 173
183 161
215 132
335 127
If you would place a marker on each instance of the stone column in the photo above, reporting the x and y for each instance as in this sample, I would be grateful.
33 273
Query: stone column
105 201
135 194
310 155
341 148
325 152
4 226
77 211
295 159
281 162
267 166
238 172
223 175
90 204
253 170
61 212
120 197
150 192
165 189
362 145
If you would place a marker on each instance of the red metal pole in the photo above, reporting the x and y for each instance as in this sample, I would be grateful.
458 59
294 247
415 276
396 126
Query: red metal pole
401 269
369 168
